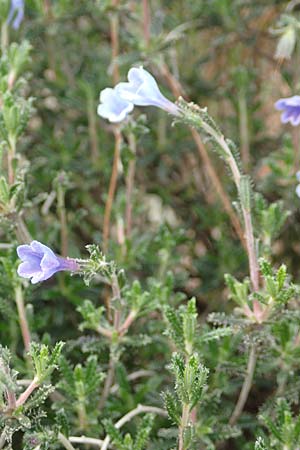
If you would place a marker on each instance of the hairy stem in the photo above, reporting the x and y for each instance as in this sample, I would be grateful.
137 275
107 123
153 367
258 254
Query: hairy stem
244 128
252 257
92 128
183 424
112 360
218 186
11 153
246 386
177 90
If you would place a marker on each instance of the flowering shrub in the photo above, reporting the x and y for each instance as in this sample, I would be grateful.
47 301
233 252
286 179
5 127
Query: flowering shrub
149 257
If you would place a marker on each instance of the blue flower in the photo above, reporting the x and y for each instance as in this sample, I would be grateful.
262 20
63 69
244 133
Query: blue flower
140 90
39 262
112 107
16 13
291 109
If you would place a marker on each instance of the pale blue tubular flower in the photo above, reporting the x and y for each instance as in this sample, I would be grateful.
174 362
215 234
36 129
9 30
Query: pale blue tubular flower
16 13
39 262
142 90
291 109
112 106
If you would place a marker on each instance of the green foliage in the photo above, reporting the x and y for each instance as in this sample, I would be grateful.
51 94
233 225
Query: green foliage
172 228
284 429
139 442
45 361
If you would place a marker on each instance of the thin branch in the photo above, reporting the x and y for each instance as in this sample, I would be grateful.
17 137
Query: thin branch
85 440
108 381
65 442
111 190
246 386
24 396
127 322
140 409
252 257
130 185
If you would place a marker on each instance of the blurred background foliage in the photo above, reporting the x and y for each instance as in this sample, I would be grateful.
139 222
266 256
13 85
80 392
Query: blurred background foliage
216 53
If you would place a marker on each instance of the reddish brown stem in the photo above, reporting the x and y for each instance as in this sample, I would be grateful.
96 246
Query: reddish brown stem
24 396
127 322
111 190
129 186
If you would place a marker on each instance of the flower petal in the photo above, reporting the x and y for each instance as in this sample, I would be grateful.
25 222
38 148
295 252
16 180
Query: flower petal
24 251
41 249
39 276
27 269
49 265
112 106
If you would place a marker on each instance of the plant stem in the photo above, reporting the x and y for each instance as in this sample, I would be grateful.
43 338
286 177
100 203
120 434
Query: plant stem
246 386
244 128
2 438
4 36
11 152
85 440
129 185
24 396
140 409
114 36
177 90
22 317
108 381
112 361
65 442
10 395
111 190
127 322
218 186
253 267
183 423
92 127
252 257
